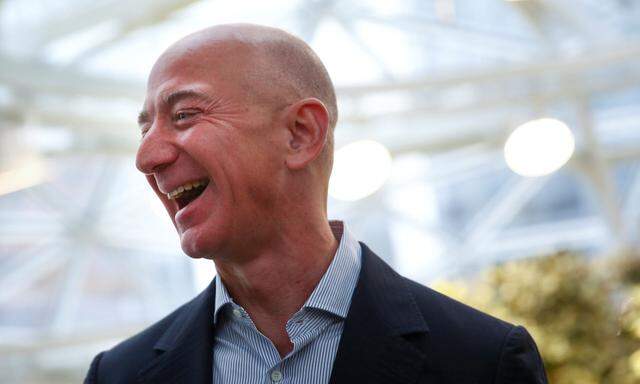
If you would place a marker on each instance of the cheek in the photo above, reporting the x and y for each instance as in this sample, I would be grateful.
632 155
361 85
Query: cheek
207 145
244 159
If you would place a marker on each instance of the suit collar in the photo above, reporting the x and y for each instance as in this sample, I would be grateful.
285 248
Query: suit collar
386 295
185 349
385 335
380 341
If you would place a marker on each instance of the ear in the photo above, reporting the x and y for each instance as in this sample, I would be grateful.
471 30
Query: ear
308 126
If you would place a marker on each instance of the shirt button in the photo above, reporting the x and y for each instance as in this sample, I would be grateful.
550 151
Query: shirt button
276 376
237 313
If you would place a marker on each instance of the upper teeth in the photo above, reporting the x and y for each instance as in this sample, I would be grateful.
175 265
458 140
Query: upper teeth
185 187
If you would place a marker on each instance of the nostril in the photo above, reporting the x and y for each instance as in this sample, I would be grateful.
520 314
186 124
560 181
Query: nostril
146 165
155 154
159 168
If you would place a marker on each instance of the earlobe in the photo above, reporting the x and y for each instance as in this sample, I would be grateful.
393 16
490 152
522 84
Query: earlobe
308 129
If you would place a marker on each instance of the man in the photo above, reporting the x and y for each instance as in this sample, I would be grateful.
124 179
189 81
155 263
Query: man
237 142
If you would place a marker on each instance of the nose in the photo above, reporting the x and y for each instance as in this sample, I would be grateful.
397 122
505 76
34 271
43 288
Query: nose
156 151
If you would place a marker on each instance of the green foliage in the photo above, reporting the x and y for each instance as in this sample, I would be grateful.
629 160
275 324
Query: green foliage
585 317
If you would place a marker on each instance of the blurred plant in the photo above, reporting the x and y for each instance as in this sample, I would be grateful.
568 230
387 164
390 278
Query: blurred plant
585 317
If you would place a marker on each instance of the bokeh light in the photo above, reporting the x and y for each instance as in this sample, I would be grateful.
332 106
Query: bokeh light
539 147
359 169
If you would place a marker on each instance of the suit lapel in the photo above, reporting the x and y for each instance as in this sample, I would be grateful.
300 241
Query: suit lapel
186 348
382 342
382 331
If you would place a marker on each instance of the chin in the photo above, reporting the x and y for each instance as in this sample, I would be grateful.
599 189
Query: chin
199 246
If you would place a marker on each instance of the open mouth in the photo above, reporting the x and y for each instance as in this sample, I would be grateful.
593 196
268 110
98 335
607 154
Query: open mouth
187 193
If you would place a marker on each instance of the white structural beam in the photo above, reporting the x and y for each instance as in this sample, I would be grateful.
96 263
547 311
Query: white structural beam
535 240
567 90
145 12
35 265
132 21
595 167
593 59
64 319
483 229
365 47
37 77
544 239
581 233
501 209
117 126
309 16
574 16
498 44
536 15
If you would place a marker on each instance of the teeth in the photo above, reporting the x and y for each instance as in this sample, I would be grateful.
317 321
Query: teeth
186 187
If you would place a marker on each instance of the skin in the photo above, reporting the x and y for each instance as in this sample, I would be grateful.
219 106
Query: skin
221 106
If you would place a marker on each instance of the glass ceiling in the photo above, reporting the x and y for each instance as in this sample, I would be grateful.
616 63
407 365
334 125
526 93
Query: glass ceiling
440 83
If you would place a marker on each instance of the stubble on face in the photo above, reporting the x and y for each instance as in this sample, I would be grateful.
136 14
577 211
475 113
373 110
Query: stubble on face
232 141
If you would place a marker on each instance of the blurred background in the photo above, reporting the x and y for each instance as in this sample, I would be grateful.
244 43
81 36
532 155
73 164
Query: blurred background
488 148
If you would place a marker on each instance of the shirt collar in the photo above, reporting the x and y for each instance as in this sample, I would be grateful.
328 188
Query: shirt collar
222 298
333 292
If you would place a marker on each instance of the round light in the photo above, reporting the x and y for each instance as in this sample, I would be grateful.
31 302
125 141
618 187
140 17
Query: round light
539 147
359 169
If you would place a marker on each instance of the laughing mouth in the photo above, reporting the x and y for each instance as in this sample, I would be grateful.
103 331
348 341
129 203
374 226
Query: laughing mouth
186 193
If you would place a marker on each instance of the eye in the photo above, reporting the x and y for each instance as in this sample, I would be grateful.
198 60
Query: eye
184 115
143 130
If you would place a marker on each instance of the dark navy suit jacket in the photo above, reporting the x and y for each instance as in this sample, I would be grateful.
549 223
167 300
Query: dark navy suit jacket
397 331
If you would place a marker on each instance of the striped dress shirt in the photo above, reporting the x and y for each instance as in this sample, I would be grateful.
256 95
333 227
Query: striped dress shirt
242 354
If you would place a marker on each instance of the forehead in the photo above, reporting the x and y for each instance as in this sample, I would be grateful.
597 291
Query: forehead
211 61
189 78
225 69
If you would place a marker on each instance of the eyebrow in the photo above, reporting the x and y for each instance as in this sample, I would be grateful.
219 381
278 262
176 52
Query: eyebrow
143 118
173 98
176 96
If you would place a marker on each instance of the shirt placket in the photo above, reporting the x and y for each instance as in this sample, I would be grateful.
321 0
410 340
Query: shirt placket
305 326
275 366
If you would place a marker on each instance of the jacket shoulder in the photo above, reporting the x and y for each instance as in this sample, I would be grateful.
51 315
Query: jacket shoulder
459 333
121 363
443 311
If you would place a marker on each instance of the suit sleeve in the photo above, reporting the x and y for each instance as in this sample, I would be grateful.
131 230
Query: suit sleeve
92 375
520 361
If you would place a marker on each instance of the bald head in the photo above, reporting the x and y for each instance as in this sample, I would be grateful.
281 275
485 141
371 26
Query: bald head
248 111
268 66
276 66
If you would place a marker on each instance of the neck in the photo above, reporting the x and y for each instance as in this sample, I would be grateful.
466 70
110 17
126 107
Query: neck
277 279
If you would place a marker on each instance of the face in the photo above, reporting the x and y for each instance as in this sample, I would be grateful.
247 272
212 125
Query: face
213 158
